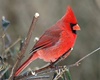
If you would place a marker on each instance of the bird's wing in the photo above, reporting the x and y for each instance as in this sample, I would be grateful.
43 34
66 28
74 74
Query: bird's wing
49 38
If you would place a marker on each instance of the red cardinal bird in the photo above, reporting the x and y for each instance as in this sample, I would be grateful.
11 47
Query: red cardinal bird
56 40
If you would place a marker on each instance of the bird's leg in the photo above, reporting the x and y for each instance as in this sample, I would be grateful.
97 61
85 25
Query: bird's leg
53 64
62 57
66 53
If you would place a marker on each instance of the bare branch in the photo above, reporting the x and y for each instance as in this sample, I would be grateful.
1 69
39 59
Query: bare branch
25 45
5 71
78 62
6 50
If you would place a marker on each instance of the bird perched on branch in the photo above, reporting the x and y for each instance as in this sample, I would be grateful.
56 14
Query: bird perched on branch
55 42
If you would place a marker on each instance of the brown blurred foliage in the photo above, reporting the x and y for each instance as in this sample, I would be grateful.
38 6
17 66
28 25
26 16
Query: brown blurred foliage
20 13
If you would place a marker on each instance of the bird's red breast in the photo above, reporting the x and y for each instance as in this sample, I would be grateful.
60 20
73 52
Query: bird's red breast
57 41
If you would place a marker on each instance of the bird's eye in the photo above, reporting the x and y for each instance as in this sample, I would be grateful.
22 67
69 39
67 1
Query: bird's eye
71 24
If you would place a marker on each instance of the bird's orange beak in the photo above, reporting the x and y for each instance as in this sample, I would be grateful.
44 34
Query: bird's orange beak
76 27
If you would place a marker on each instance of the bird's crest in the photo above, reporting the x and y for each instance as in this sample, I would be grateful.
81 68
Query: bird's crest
69 16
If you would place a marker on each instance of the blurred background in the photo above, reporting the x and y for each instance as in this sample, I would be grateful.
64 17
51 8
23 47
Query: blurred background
21 12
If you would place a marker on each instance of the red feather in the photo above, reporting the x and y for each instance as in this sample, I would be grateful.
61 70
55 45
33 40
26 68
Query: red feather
56 40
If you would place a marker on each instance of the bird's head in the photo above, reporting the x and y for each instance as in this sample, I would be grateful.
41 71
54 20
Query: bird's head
71 19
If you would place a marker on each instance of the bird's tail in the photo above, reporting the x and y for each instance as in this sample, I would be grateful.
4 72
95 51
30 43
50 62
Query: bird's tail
26 63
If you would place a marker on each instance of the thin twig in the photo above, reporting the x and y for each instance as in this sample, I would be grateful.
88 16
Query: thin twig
38 77
5 71
6 50
25 45
78 62
50 68
3 41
